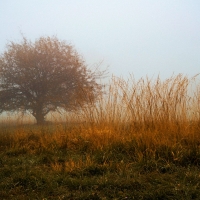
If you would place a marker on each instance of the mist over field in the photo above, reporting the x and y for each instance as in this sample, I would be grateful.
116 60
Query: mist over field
99 100
140 37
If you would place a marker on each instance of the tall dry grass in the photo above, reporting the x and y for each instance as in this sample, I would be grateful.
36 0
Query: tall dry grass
148 104
151 111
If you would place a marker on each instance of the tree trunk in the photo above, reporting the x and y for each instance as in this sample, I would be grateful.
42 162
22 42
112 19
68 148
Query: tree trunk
39 117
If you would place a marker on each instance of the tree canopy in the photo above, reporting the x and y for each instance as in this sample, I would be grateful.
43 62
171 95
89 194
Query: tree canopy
45 76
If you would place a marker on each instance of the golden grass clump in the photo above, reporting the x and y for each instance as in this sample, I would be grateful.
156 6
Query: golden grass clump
156 110
149 111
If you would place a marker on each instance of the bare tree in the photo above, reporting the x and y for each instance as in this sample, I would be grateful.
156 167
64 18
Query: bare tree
45 76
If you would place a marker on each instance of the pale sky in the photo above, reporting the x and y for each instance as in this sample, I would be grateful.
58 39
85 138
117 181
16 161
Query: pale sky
141 37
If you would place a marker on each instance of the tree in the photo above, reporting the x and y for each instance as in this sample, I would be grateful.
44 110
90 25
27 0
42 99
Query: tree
45 76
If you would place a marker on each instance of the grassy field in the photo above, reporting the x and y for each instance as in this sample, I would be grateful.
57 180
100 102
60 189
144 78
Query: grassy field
140 141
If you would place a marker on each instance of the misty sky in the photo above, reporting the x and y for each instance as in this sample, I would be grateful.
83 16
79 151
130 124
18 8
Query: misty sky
143 37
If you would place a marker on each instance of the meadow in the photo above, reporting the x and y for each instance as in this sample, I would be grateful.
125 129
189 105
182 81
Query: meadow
140 140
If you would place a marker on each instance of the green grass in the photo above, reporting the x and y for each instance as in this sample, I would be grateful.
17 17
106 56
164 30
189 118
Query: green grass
71 167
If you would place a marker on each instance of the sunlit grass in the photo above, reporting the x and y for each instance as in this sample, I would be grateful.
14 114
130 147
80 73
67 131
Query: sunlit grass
140 140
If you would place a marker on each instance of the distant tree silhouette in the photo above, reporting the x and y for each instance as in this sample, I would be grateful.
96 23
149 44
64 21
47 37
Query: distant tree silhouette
45 76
